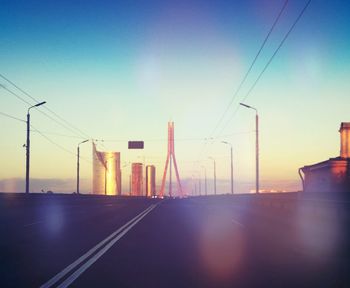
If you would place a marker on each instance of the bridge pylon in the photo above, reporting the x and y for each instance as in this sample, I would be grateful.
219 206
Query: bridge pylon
171 159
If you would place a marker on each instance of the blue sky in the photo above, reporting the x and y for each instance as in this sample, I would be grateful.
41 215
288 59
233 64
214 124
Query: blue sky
121 70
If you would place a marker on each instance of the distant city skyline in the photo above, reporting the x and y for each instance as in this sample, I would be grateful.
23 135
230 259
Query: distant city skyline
120 71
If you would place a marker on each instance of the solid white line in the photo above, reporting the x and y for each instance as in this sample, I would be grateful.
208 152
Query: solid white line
65 271
93 259
34 223
236 222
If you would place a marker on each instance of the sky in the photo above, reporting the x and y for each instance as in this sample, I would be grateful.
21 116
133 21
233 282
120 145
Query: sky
120 71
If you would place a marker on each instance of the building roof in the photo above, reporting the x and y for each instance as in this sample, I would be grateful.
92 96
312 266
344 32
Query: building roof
344 125
324 164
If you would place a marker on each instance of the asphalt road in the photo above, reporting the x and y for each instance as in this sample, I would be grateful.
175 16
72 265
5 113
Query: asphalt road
60 241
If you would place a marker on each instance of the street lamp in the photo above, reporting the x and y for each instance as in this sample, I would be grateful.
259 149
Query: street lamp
28 144
205 180
200 184
78 163
227 143
256 146
195 188
214 174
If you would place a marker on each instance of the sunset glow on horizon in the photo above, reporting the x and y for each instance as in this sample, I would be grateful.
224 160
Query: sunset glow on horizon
122 71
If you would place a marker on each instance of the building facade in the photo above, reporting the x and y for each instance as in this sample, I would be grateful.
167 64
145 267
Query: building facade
136 179
106 178
150 180
332 175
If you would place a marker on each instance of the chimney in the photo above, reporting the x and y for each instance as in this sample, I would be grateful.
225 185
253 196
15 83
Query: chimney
345 140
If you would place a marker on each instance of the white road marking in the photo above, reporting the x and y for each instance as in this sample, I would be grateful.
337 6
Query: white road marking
236 222
34 223
70 267
93 259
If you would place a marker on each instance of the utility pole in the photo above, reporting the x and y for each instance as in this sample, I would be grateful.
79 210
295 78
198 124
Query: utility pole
232 191
214 177
200 185
256 146
28 145
28 153
257 151
214 174
205 179
78 165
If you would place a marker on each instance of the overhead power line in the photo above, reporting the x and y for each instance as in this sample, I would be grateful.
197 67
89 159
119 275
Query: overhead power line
246 75
42 112
43 135
16 95
71 127
278 48
178 139
12 117
51 141
250 67
61 135
269 62
56 144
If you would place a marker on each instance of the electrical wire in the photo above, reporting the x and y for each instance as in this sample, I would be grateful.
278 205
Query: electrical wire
43 135
244 78
180 139
278 48
251 66
56 144
42 112
12 117
269 61
77 130
61 135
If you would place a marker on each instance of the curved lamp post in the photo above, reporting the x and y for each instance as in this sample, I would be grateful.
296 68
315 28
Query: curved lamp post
227 143
28 144
78 164
256 146
214 174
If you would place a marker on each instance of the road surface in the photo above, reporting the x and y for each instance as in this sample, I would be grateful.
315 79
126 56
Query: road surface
223 241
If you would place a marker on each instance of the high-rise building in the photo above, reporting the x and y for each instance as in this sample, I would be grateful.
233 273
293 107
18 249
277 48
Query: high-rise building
136 179
106 178
150 180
